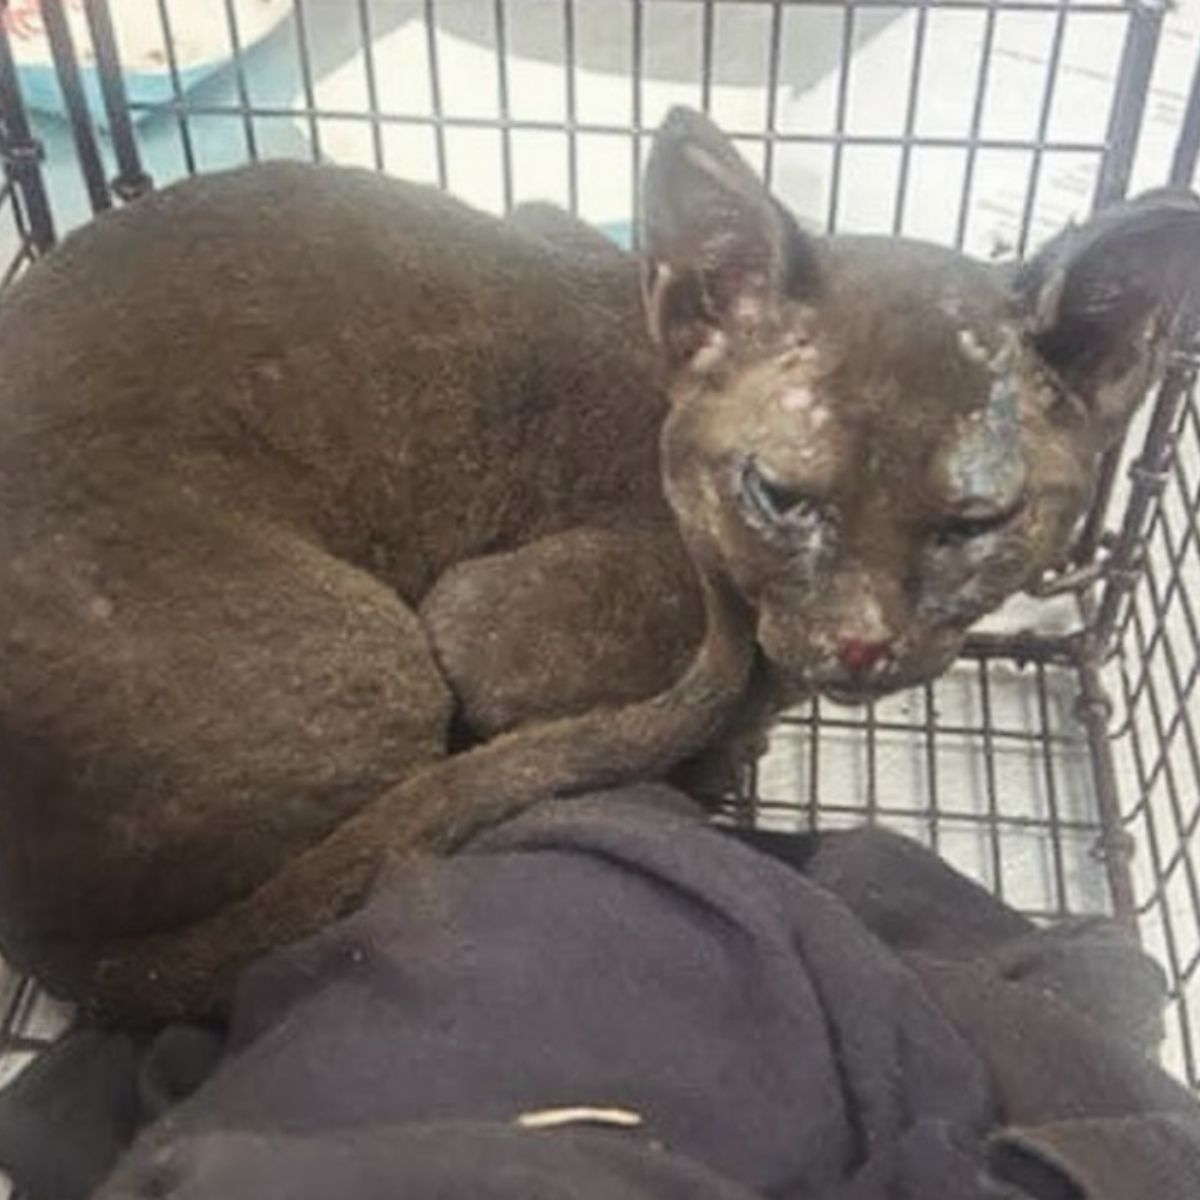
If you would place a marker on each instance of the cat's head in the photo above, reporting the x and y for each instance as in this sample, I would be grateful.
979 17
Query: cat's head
879 440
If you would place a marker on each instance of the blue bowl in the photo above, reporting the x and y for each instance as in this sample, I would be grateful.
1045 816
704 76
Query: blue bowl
40 87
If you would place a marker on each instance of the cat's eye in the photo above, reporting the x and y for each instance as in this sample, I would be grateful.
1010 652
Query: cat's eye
770 500
955 531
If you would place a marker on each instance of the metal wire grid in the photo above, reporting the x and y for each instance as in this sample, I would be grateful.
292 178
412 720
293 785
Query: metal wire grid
1155 733
1008 765
24 209
10 210
778 26
986 766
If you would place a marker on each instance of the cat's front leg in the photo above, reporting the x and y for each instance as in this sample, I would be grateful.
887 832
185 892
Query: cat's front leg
721 773
570 622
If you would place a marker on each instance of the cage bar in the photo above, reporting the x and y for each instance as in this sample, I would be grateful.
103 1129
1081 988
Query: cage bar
131 180
1125 123
438 115
568 16
366 39
66 68
910 116
839 134
21 154
506 156
244 107
1183 164
1043 126
973 139
181 118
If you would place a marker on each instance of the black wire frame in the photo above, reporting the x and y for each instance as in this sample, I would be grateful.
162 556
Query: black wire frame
22 192
1110 705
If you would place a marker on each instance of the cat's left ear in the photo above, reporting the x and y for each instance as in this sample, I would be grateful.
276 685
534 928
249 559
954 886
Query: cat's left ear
721 255
1103 298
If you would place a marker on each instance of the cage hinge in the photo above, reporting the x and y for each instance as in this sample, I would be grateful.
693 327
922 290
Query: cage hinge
1097 704
1090 650
22 157
1114 846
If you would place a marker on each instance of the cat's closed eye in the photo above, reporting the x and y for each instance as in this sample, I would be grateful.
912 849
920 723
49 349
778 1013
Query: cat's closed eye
957 530
767 500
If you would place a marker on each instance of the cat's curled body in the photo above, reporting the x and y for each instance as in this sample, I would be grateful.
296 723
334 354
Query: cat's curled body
245 426
299 465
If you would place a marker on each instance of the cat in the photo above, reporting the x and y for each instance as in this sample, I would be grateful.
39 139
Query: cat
249 426
307 474
880 439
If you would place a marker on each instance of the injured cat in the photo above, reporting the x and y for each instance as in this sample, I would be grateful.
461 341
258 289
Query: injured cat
299 464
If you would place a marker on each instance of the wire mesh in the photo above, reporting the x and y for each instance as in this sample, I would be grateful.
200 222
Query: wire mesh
1156 737
17 250
987 766
977 123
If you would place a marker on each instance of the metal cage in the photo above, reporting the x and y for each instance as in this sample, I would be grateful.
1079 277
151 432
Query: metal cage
1058 761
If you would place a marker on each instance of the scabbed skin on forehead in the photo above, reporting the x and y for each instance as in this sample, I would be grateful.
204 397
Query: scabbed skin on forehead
906 341
879 440
910 353
886 428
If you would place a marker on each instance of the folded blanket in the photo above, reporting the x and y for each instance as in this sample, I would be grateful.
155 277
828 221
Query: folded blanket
610 997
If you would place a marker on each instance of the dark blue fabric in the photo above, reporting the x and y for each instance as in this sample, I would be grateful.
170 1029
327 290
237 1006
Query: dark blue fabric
838 1018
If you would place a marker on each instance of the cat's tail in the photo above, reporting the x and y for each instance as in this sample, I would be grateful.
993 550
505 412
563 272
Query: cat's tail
189 972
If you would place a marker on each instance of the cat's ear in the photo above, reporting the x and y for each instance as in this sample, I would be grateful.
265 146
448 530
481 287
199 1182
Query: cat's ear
720 254
1103 298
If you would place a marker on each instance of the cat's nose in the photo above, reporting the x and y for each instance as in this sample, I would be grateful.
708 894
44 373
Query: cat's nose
858 655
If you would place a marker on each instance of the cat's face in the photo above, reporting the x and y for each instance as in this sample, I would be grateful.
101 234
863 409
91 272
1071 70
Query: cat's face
878 441
884 475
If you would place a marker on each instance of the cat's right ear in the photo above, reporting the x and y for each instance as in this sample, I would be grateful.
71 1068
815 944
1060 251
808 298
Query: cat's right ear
1104 299
720 254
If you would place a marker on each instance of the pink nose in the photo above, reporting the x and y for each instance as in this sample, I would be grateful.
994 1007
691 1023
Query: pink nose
858 655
